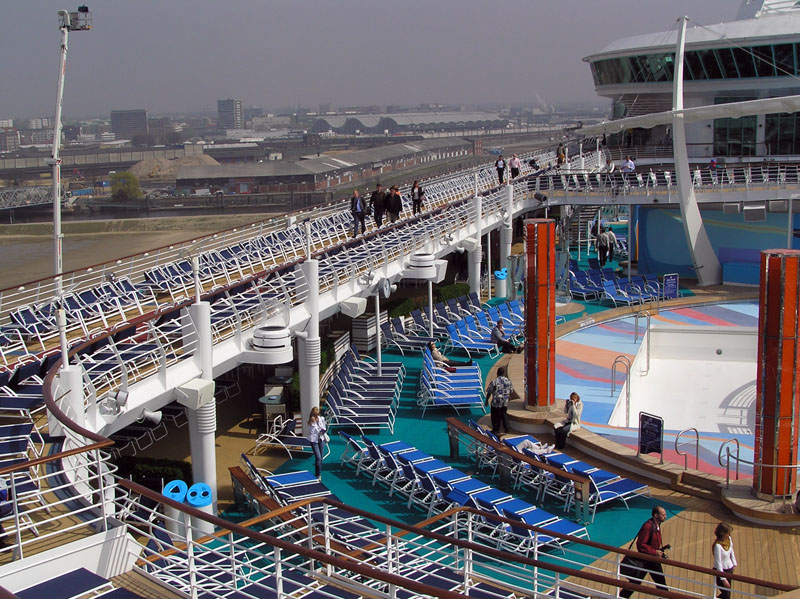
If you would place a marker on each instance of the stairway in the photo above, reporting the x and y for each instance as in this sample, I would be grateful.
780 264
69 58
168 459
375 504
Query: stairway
577 222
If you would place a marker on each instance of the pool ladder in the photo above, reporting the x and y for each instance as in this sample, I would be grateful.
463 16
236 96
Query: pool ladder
696 448
623 360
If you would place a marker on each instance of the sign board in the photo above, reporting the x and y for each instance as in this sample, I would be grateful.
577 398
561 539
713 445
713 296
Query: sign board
651 434
671 286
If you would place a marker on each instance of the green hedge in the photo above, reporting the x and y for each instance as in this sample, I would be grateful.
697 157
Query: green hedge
150 471
404 308
453 291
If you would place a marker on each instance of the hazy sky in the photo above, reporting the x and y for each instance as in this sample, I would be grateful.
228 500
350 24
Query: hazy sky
183 55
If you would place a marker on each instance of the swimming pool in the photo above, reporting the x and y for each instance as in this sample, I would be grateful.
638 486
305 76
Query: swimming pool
701 374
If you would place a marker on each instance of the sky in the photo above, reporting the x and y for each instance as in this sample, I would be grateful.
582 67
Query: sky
172 56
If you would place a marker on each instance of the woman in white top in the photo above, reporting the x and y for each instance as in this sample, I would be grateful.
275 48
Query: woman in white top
724 557
316 436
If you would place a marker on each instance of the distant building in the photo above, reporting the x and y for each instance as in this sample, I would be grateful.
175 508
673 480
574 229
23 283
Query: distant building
128 123
229 114
265 123
318 172
6 123
9 139
160 127
39 123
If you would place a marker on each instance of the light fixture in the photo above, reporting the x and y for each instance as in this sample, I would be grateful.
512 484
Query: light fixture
151 417
116 401
367 278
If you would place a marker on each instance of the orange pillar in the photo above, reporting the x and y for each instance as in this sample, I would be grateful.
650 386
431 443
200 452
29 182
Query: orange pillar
540 314
777 382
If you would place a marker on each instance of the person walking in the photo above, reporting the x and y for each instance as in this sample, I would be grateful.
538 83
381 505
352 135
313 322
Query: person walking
573 408
417 196
602 246
317 436
611 241
377 205
648 541
514 164
499 339
500 165
499 390
358 209
724 558
394 204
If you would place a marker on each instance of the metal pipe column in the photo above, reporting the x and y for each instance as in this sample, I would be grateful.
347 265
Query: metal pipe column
476 255
203 420
309 347
505 242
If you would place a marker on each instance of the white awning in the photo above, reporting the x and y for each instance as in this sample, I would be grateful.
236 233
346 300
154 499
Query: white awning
700 113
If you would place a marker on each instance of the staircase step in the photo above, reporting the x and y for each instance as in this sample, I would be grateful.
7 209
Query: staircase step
696 491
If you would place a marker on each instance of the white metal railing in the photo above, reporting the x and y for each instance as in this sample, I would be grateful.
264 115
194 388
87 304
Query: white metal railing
462 545
624 361
696 448
725 447
761 470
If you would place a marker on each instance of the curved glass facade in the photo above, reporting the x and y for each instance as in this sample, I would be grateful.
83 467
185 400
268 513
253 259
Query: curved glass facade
775 60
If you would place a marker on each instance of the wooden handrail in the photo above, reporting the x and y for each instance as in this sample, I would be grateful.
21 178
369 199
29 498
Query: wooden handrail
457 424
581 481
382 575
419 529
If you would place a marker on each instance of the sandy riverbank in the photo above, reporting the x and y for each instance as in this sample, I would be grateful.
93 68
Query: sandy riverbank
26 251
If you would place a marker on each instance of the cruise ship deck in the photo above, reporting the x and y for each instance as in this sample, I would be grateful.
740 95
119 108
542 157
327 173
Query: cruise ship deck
210 353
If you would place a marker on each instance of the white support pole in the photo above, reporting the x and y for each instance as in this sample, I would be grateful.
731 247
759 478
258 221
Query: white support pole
70 389
430 308
476 254
489 271
582 163
55 161
309 349
630 239
704 260
378 329
505 241
203 420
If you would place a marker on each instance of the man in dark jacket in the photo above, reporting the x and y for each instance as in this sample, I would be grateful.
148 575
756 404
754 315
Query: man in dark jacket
358 208
394 204
377 204
648 541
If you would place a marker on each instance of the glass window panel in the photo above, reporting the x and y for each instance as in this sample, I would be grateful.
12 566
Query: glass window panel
764 62
692 69
784 59
710 65
728 63
771 132
744 62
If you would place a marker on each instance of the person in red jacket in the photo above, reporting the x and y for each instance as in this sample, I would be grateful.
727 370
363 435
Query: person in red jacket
649 541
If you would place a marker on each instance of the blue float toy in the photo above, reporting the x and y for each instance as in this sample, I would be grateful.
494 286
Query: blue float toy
175 490
199 495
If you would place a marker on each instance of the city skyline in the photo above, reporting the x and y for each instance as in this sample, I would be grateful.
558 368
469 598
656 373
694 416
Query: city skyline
181 57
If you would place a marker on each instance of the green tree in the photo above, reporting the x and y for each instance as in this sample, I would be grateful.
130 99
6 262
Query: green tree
125 187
